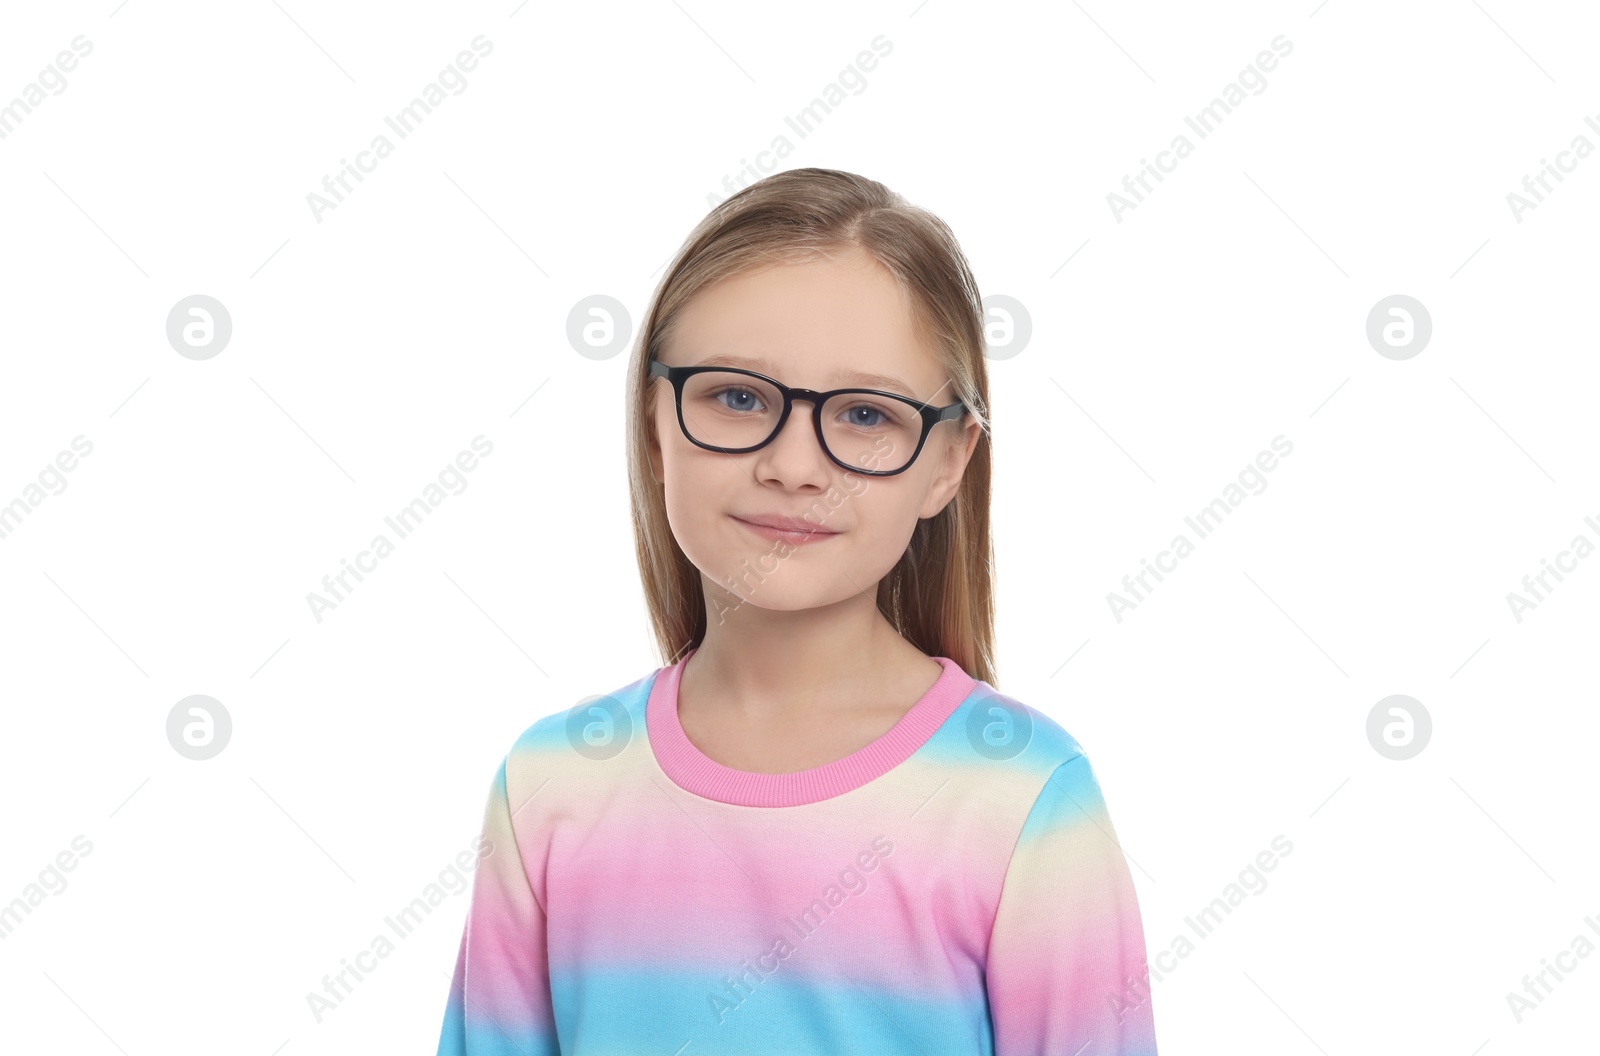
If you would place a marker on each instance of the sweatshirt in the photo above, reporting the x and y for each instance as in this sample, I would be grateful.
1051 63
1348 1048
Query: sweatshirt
953 888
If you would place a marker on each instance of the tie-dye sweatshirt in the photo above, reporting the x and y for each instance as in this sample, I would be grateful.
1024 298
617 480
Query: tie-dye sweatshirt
954 888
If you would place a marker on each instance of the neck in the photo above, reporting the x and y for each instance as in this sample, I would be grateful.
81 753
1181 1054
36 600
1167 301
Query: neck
776 660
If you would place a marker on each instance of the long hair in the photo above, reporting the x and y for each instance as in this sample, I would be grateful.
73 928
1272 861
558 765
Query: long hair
940 594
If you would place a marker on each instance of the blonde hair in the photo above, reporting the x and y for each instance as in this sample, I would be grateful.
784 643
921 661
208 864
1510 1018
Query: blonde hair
939 596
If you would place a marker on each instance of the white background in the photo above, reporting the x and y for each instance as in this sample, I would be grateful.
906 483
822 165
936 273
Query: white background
1168 348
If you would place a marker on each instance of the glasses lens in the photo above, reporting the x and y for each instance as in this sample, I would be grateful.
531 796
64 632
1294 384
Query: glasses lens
725 409
871 432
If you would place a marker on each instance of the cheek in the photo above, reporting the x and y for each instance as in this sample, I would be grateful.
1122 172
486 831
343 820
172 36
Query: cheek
697 484
883 513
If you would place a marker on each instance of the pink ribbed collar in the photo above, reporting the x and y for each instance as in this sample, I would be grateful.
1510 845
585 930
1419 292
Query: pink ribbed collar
693 771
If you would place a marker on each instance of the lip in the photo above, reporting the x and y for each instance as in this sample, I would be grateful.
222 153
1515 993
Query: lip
786 529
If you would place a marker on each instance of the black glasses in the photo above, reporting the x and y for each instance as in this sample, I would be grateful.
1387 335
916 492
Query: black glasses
862 430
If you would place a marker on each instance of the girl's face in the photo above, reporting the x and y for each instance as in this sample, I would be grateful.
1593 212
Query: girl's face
820 325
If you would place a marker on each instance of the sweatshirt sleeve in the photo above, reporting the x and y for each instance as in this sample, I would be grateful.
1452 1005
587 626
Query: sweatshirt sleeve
1067 970
499 1001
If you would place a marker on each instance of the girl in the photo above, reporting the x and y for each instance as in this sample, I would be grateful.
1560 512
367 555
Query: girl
820 829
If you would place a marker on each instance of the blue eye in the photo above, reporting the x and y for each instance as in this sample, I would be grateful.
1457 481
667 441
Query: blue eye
868 416
741 394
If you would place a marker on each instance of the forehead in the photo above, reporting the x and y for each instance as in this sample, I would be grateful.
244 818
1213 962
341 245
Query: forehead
787 372
840 320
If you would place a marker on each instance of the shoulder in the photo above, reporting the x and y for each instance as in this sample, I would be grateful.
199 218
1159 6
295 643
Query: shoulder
1001 729
1020 756
597 727
1047 780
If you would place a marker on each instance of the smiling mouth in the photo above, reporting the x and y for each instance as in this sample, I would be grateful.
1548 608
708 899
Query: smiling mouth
810 533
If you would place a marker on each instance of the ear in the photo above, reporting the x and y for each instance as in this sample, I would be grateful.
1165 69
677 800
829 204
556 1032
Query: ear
958 452
652 444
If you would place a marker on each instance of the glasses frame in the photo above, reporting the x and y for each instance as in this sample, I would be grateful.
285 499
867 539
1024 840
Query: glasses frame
931 416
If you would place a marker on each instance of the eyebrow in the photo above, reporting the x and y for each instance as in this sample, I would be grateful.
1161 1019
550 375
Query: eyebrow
860 377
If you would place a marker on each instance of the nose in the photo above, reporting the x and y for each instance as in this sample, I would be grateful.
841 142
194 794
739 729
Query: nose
797 460
801 420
